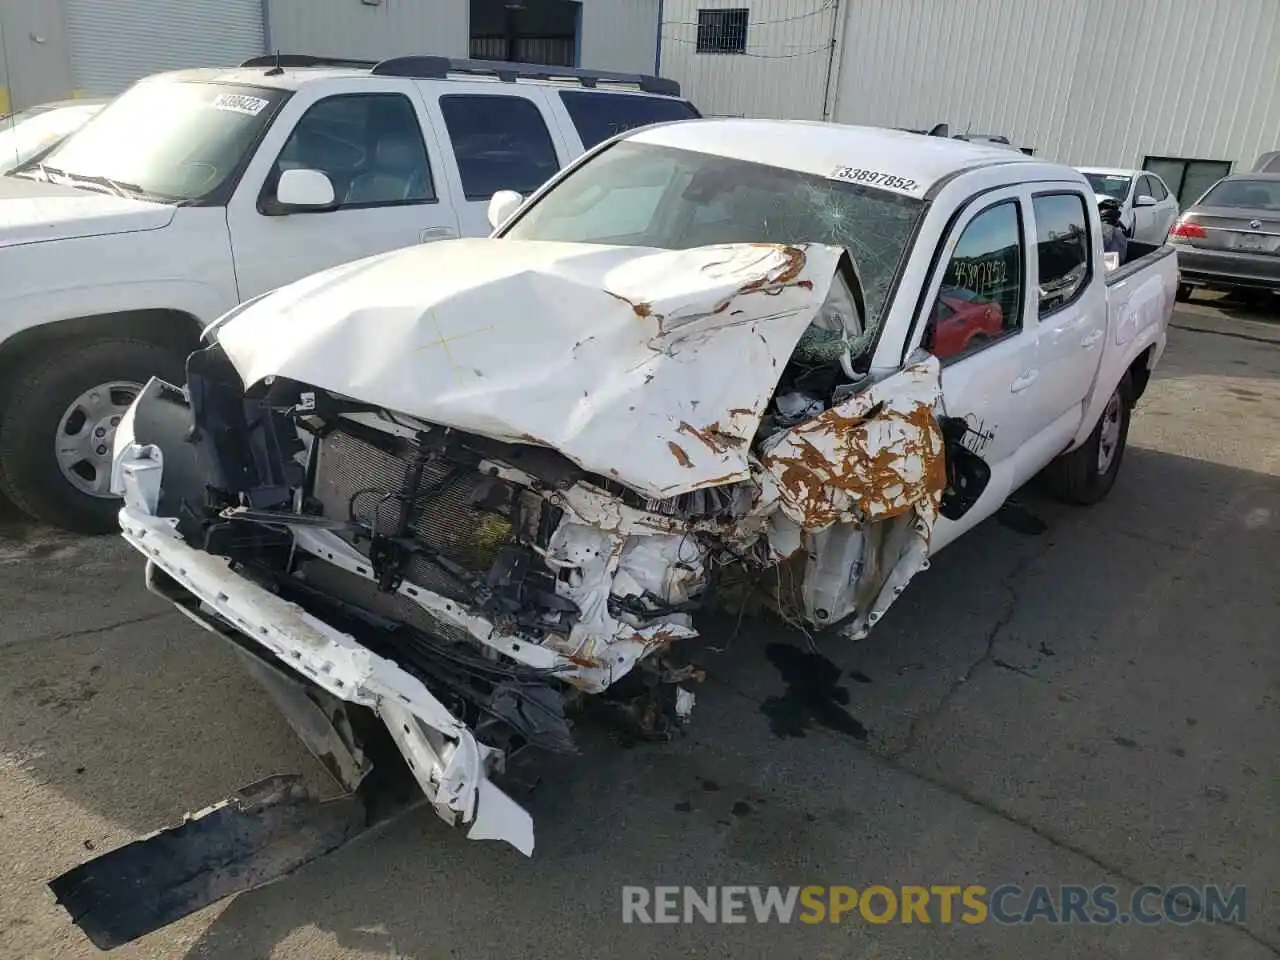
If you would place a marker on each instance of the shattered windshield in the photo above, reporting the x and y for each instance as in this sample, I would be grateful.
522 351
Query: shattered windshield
638 194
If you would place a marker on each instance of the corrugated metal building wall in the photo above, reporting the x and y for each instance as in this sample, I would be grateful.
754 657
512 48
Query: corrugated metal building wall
1086 82
781 70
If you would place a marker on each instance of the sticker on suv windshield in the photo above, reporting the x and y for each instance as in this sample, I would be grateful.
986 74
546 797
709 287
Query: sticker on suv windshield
874 178
239 103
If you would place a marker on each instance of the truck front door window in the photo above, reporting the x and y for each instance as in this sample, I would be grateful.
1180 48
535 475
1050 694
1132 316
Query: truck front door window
368 145
980 299
1062 243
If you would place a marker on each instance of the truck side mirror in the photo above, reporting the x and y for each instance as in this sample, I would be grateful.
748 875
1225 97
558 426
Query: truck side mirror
502 205
302 191
1145 201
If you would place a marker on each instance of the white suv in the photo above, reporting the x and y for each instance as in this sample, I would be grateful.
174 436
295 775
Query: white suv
199 190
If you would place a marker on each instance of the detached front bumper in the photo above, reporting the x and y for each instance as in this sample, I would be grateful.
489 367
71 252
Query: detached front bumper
448 762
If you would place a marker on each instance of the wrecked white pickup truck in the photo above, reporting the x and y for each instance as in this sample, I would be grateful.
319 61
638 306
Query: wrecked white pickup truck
441 497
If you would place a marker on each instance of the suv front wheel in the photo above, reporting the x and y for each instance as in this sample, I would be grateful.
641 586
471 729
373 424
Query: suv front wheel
58 426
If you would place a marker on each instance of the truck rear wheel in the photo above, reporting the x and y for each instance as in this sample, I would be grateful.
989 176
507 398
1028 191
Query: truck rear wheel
58 425
1086 474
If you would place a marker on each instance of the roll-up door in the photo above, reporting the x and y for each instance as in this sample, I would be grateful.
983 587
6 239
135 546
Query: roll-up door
112 43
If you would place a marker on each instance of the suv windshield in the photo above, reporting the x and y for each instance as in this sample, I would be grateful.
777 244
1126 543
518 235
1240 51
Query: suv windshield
167 140
1252 194
637 194
1115 186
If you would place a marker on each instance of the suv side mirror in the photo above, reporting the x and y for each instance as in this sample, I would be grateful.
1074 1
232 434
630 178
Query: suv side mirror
303 190
502 205
1145 201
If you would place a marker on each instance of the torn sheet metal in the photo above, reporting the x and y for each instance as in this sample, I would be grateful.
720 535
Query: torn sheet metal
651 367
265 831
857 488
874 456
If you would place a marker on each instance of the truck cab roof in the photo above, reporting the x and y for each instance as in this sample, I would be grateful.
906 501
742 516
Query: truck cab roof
872 155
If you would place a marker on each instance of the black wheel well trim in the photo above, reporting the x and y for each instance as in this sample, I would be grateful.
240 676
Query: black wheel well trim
163 326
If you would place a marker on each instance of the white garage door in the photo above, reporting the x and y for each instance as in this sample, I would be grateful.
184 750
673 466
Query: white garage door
115 42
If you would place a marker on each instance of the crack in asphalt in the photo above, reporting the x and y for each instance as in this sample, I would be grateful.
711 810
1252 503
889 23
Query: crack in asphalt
920 724
1053 840
88 631
894 761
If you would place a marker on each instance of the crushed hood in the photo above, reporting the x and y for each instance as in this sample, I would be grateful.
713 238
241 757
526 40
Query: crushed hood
36 212
649 366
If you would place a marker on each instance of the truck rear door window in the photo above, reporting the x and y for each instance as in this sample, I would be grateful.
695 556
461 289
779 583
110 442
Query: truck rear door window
599 116
501 142
1062 243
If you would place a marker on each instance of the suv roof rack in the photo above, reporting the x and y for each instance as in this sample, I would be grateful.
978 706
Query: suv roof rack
437 68
304 60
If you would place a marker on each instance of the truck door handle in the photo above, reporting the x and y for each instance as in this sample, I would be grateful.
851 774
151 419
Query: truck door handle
1091 338
435 233
1024 381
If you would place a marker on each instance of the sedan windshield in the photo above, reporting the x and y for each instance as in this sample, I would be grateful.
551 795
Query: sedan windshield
637 194
1110 185
166 140
1251 194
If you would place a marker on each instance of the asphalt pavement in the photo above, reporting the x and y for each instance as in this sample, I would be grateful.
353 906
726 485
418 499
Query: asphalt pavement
1067 696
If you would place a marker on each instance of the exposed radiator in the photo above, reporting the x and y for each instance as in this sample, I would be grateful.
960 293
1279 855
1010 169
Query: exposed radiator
356 479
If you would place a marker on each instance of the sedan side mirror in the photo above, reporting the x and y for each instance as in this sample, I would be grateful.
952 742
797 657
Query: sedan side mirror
502 205
304 190
1145 201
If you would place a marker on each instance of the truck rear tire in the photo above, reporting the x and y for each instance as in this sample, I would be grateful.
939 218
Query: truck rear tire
1085 475
1184 292
58 425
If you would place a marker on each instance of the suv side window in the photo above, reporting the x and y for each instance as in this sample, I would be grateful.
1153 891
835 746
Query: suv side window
1062 243
501 143
599 116
1157 188
368 144
980 299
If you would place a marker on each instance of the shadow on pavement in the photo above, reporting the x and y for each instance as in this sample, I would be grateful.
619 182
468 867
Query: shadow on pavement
734 803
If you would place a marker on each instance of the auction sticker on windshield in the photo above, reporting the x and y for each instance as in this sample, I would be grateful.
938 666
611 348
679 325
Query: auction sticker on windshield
874 178
239 103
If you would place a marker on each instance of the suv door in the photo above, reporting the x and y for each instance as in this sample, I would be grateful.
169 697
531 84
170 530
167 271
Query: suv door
979 295
495 137
383 162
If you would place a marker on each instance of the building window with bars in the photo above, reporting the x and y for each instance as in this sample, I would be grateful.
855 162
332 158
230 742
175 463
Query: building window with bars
722 31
